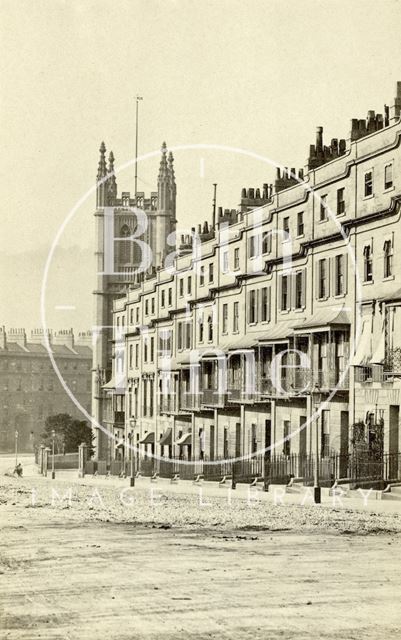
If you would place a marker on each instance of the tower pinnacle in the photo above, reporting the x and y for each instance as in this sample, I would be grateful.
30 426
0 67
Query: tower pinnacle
111 181
101 172
163 171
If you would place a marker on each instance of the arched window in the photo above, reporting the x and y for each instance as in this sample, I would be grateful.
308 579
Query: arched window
125 245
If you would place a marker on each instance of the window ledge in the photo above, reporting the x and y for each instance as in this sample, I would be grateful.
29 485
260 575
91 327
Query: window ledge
389 189
339 295
388 278
367 283
340 215
322 221
372 195
300 236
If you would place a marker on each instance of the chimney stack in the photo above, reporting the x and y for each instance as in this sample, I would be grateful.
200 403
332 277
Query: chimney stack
319 139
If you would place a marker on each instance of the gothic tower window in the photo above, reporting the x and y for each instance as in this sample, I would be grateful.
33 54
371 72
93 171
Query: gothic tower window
125 245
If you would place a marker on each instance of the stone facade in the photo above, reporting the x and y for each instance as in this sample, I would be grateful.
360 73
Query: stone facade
118 219
292 297
29 387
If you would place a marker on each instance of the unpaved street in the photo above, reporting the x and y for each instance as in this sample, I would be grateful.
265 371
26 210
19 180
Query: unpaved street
77 572
120 581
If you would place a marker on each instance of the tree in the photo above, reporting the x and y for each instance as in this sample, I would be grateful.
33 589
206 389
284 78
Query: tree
57 423
69 433
76 432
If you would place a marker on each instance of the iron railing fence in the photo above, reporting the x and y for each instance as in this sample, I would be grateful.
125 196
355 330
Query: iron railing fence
353 468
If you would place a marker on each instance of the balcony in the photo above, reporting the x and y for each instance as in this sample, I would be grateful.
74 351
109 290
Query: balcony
238 394
188 401
212 398
167 403
331 379
119 417
301 382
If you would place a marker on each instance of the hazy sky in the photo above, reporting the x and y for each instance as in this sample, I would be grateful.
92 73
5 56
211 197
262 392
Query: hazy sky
254 74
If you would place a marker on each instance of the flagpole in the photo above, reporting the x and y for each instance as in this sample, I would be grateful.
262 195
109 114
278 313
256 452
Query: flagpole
136 144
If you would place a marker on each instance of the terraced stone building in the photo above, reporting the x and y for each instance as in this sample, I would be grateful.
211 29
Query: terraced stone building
287 303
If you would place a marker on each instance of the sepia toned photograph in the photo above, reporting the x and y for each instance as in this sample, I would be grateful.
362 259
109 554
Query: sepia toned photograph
200 342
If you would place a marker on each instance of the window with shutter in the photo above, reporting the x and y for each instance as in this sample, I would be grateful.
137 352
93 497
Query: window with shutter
299 290
285 293
367 264
388 259
252 307
388 176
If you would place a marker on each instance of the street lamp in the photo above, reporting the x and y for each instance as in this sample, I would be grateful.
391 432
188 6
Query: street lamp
132 459
53 439
316 485
16 447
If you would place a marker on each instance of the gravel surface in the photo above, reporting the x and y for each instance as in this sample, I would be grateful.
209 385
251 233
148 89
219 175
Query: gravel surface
177 570
158 505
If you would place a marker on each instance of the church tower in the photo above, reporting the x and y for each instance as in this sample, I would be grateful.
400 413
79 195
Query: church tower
119 258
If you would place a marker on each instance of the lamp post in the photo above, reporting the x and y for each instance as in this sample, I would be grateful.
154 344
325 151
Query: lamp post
16 447
316 485
132 460
53 442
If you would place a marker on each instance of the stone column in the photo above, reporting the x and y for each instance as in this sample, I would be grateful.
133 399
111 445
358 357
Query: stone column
46 454
41 459
82 457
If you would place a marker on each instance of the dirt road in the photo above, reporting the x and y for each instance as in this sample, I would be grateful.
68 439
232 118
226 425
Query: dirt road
119 581
76 573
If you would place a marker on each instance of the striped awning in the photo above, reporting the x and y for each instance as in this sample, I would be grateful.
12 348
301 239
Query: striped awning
167 437
149 438
185 439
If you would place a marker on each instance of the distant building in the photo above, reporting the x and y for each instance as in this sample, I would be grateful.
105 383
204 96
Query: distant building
229 354
29 387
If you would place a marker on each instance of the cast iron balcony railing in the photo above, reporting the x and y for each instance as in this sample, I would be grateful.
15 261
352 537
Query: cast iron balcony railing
212 398
188 401
119 417
167 403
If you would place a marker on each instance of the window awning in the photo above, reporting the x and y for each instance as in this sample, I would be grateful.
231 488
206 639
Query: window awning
185 439
392 297
167 437
379 342
118 382
167 363
363 351
244 343
149 438
325 319
281 332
